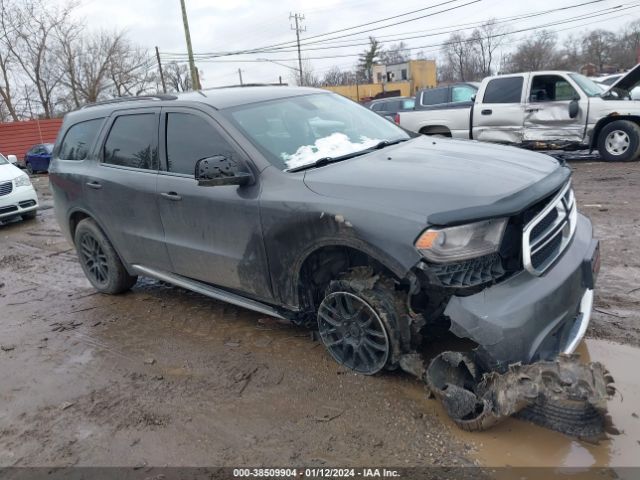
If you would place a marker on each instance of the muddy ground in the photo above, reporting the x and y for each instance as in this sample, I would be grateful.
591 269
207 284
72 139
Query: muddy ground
161 376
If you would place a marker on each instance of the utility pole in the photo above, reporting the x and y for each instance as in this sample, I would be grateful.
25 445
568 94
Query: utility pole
298 18
164 85
195 79
240 75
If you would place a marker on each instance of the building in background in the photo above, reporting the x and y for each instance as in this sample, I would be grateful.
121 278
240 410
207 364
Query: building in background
401 79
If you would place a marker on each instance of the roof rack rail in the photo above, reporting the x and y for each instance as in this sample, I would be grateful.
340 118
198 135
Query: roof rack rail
131 99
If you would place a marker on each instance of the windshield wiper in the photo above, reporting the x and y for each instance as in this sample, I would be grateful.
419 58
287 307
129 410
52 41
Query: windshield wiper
321 162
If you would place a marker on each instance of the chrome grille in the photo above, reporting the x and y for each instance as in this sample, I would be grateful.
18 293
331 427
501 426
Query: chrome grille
547 235
6 188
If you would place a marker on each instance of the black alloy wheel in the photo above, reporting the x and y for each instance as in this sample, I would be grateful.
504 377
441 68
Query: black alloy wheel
353 333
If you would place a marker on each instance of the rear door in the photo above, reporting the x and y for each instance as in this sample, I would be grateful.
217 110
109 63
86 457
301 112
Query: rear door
498 115
121 189
547 110
213 234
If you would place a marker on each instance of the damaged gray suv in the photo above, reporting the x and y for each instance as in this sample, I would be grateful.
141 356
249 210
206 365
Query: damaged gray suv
303 205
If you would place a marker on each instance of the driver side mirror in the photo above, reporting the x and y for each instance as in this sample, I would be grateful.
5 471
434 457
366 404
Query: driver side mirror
220 170
12 159
574 108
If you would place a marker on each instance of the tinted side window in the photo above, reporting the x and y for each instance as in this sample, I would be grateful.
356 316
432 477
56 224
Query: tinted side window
132 142
504 90
190 138
78 140
434 96
550 88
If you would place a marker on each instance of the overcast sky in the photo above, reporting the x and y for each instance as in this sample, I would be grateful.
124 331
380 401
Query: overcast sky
231 25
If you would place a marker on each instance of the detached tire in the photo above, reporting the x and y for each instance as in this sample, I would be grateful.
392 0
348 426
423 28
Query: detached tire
100 262
619 141
359 321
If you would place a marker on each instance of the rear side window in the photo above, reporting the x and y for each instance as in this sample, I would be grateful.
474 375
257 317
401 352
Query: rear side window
79 139
132 142
189 139
504 90
462 93
434 96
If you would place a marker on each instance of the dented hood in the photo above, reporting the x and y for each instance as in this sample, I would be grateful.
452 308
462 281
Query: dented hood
448 181
626 82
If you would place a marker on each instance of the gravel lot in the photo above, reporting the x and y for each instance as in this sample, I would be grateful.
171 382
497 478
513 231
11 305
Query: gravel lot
162 376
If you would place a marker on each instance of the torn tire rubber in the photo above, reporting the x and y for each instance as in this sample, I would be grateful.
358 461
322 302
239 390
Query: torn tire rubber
358 321
564 395
99 260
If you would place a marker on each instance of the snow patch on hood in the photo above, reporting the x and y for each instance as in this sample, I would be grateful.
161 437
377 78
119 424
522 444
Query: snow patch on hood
334 145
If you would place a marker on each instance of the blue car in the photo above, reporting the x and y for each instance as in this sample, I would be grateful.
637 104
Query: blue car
38 157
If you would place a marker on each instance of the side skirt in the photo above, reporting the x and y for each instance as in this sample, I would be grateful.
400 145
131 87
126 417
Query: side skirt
207 290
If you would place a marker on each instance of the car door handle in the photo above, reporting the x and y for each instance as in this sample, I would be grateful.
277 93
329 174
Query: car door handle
95 185
530 110
171 196
486 112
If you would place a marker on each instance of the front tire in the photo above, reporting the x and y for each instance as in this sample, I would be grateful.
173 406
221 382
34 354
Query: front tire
358 321
619 141
99 260
30 169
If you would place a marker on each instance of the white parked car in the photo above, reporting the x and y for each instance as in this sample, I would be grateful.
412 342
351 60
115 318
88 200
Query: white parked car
609 80
17 195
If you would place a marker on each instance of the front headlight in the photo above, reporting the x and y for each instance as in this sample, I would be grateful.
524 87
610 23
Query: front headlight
462 242
22 181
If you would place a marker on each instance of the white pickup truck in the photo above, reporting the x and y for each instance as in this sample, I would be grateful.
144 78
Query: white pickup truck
546 109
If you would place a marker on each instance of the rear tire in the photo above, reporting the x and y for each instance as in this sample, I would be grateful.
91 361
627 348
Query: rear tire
30 169
359 319
29 215
99 260
619 141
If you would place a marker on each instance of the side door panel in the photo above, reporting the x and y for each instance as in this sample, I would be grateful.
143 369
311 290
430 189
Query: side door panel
499 115
213 234
123 197
547 110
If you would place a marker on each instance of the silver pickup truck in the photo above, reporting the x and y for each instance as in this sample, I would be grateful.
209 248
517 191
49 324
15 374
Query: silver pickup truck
545 109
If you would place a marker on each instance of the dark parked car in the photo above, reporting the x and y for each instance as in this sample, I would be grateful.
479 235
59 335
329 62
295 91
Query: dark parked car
388 107
38 157
301 204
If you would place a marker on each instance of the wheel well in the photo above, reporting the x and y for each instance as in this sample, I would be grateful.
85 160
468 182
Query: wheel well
74 220
606 121
326 264
436 130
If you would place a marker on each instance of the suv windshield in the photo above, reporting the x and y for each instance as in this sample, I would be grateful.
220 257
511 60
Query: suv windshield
587 85
297 131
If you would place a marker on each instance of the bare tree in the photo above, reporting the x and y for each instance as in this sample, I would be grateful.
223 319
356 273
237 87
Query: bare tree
460 57
132 72
397 53
87 61
309 77
334 76
596 47
34 49
534 53
8 34
177 77
485 40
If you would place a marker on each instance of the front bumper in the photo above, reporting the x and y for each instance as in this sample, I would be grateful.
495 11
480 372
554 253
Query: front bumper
20 200
528 318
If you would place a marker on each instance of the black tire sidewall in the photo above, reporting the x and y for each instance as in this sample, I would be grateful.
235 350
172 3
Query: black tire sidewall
632 130
118 279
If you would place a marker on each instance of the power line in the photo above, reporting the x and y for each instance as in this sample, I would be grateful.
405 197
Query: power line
538 27
499 21
259 49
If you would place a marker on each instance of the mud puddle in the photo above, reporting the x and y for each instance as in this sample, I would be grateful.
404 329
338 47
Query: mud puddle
517 443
